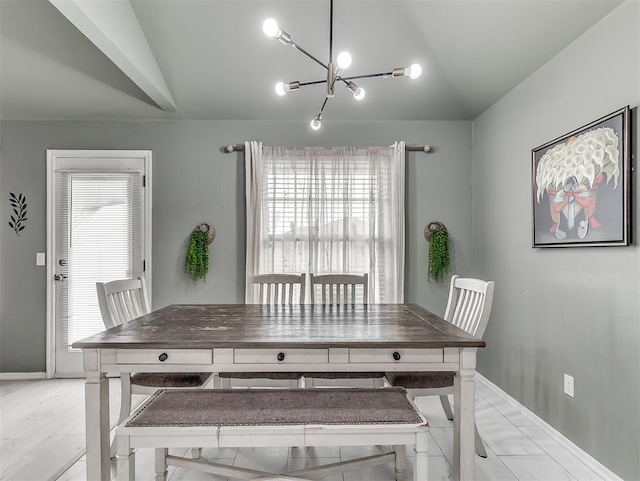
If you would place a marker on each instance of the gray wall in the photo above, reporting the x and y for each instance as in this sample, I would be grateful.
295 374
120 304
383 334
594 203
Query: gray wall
571 310
193 182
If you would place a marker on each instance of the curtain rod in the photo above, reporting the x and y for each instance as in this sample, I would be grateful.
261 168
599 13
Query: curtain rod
409 148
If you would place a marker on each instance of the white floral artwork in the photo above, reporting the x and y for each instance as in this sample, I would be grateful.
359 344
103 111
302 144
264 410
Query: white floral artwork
582 180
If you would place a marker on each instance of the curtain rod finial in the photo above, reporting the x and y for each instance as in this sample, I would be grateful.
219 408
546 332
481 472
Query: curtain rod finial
427 148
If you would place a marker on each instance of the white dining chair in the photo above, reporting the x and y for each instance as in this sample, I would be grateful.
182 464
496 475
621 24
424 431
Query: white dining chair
341 290
335 289
122 301
279 289
271 290
468 308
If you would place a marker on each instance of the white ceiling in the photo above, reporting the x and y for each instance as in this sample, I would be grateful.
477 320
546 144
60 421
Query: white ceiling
218 64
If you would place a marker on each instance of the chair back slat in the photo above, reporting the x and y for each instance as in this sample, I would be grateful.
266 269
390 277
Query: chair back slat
279 289
122 300
469 304
339 288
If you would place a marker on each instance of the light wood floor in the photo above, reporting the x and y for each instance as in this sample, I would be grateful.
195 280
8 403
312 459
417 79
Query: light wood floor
42 439
42 427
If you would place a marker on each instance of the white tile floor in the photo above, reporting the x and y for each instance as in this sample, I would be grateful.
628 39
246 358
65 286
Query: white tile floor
517 450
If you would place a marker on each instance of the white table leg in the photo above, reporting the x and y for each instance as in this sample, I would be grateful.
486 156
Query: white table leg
464 417
96 405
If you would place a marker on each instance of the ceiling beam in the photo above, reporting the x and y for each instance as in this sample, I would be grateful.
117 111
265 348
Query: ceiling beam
114 28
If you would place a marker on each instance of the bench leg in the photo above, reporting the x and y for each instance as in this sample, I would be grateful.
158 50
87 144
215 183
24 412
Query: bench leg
161 464
420 468
126 460
401 460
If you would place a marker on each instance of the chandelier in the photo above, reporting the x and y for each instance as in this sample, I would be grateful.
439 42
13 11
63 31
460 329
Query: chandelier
334 70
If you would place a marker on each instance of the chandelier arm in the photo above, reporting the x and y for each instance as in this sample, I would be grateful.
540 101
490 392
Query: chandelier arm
331 32
370 75
309 55
323 105
315 82
335 78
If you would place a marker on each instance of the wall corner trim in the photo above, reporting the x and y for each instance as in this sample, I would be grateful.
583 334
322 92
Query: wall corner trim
566 443
22 376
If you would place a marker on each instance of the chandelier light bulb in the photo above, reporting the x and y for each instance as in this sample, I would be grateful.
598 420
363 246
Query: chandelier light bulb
280 90
270 27
415 71
315 123
358 92
344 60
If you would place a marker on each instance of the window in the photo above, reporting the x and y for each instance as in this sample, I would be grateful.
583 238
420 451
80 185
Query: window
328 211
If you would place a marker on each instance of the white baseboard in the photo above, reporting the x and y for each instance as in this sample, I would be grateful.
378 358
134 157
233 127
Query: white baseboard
585 458
22 376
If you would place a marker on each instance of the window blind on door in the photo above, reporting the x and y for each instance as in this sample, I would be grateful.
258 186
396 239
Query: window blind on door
101 232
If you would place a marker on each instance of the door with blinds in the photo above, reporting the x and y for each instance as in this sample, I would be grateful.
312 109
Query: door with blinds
99 231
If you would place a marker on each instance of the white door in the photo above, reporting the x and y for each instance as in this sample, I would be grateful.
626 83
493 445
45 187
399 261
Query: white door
99 229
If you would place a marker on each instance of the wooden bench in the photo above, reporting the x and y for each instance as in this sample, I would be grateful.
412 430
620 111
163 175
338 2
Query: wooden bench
275 417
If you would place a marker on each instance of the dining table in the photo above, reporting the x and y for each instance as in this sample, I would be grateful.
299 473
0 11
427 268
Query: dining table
295 338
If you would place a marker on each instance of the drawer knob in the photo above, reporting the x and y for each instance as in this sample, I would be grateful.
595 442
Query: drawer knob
281 356
396 356
163 357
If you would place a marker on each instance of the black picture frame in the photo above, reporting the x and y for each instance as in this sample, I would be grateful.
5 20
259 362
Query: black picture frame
581 186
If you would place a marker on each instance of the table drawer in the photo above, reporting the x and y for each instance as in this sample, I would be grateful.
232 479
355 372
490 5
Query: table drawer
396 355
164 356
281 356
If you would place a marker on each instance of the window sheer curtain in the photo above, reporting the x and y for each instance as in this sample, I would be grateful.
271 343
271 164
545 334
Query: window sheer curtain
327 210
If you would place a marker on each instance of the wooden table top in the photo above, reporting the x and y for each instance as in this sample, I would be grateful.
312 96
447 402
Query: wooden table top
306 326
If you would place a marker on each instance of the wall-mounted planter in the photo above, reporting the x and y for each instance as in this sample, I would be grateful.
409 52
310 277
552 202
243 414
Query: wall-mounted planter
196 261
438 237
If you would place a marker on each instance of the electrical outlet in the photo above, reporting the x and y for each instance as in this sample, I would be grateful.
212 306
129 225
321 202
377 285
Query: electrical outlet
39 258
568 385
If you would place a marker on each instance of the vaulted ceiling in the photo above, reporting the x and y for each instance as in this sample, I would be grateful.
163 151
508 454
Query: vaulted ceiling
215 62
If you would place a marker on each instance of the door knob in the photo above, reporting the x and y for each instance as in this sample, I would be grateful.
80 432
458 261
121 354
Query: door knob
59 277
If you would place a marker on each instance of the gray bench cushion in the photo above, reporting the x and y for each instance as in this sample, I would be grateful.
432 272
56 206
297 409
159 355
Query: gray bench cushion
229 407
420 380
170 379
287 376
344 375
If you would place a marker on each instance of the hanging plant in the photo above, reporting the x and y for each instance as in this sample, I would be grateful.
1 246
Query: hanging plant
438 237
196 262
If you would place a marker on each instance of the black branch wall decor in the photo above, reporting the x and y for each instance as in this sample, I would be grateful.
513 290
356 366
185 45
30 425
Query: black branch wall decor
19 204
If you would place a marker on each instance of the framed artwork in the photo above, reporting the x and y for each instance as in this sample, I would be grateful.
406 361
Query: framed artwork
581 184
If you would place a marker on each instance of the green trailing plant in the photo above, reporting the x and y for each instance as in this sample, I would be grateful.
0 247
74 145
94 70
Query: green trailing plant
438 254
197 258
